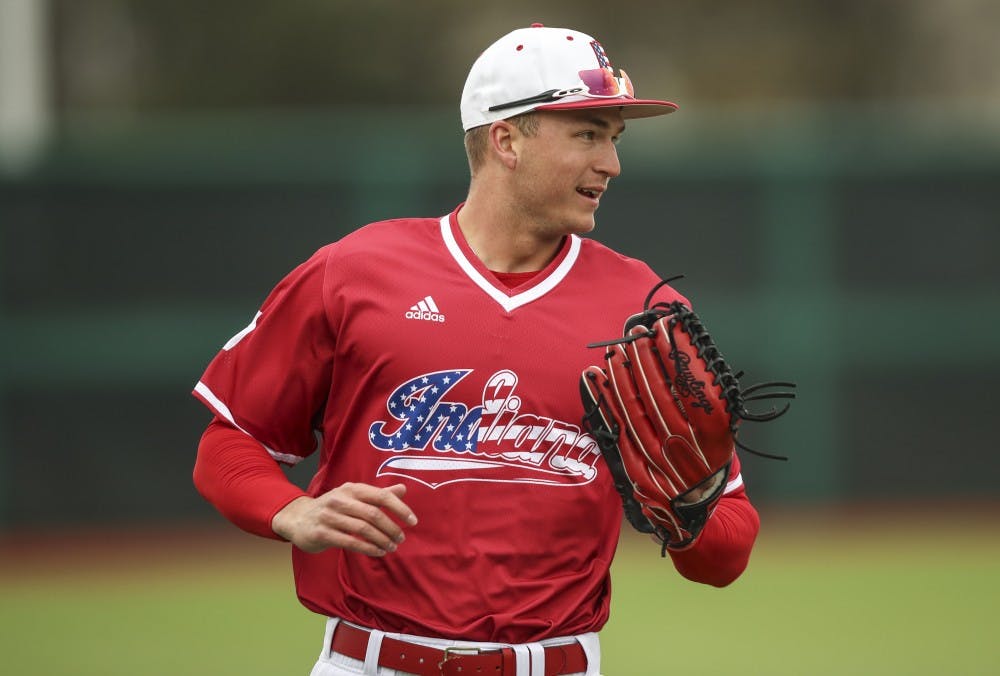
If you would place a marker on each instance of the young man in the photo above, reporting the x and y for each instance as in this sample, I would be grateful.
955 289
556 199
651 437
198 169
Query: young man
461 520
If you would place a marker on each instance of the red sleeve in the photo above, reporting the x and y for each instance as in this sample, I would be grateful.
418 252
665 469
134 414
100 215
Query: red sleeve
721 553
272 378
242 481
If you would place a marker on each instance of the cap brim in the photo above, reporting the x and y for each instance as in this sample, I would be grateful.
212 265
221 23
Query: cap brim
631 108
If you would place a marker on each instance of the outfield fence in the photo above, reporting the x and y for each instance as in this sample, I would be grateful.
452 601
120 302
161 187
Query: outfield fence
851 250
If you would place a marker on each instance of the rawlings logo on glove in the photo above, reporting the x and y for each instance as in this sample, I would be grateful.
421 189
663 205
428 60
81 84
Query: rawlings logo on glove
665 410
686 384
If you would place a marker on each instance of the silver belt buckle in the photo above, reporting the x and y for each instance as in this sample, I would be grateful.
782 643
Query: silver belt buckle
454 653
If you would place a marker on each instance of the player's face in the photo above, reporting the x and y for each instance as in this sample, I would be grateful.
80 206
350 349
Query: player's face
564 169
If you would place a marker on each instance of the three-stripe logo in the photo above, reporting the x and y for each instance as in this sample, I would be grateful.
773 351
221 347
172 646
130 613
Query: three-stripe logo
425 309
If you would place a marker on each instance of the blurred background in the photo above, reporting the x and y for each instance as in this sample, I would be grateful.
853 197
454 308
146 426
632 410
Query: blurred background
830 187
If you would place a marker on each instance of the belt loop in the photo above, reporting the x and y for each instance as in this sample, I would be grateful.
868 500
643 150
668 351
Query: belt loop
522 659
591 644
372 654
331 626
537 653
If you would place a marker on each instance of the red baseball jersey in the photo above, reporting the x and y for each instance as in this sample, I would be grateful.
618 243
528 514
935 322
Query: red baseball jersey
399 357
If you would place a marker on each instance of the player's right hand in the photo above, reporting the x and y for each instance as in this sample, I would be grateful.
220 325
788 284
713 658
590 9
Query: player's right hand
354 516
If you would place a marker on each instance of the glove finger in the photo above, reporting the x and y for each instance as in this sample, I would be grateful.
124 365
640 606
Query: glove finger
695 387
653 380
638 441
678 452
676 455
646 503
703 423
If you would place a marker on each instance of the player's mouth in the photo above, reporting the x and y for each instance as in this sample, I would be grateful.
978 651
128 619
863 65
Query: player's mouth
591 193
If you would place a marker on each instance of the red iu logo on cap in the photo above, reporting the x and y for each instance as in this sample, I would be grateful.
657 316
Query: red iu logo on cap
602 57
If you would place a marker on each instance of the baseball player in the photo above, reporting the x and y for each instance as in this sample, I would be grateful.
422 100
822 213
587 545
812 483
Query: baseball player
462 518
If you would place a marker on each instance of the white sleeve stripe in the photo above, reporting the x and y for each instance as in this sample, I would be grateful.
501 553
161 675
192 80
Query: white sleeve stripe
733 484
216 403
219 407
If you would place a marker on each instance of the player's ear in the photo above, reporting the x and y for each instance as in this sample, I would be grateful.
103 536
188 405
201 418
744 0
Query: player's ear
502 140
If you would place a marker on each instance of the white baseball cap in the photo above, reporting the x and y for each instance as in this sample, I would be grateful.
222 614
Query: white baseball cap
540 68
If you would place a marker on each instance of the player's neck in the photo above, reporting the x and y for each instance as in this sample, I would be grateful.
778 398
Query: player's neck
502 239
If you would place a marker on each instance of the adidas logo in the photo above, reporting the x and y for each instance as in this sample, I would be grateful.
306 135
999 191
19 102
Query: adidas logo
425 309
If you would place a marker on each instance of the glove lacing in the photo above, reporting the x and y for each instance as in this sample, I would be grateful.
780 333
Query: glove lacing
715 363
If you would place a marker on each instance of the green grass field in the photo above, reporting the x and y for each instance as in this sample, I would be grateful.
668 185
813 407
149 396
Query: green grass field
818 598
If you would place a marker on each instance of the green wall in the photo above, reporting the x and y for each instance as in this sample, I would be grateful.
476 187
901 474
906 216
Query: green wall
851 250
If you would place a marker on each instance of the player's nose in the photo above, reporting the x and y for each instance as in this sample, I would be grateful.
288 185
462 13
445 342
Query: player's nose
608 163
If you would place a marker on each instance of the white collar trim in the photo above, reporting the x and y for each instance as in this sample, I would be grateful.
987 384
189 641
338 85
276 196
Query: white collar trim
509 303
